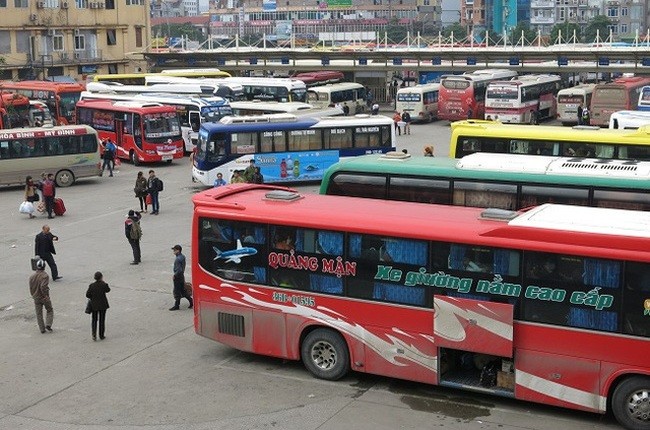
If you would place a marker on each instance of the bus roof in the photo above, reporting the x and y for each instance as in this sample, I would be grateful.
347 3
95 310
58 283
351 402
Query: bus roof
577 90
164 98
483 75
527 80
542 132
419 88
135 106
514 168
336 87
541 230
43 85
274 106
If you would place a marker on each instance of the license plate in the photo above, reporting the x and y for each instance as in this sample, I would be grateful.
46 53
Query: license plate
167 157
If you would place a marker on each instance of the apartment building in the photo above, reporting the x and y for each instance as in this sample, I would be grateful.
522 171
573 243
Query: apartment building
47 38
628 17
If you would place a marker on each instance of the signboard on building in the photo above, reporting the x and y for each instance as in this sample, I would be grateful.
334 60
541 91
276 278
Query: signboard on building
283 29
269 5
334 4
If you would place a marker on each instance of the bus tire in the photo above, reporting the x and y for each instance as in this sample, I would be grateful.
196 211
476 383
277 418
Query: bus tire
134 158
64 178
631 403
325 354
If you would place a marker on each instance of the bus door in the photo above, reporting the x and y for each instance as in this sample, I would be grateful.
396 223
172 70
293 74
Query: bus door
137 130
119 132
471 335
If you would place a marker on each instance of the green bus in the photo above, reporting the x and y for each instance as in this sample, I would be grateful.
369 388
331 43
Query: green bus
506 181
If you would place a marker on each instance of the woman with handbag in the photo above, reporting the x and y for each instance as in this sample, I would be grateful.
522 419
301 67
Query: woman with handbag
31 195
97 304
141 191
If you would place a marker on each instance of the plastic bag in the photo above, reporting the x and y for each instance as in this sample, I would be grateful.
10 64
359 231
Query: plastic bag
26 208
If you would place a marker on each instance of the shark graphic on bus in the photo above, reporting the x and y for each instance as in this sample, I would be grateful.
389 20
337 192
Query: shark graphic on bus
235 255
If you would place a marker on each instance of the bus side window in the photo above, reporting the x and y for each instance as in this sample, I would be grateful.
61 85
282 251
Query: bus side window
195 121
636 295
4 150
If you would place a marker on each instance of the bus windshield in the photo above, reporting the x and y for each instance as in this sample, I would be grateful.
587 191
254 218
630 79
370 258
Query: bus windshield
214 113
161 125
299 95
67 102
502 92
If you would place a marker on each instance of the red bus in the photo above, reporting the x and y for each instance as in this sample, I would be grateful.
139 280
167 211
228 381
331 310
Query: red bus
620 94
143 132
312 79
14 110
551 305
60 97
460 93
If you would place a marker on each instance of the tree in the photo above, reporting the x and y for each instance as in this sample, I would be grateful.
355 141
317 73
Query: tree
529 35
599 25
567 29
178 30
396 32
460 33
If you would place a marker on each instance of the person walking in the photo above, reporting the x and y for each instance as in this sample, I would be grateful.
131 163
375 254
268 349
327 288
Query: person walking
140 190
133 233
580 110
375 109
179 279
406 119
31 195
109 156
44 248
48 188
153 188
96 293
470 113
397 119
40 290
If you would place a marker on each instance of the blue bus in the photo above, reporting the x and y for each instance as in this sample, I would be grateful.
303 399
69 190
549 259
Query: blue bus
286 148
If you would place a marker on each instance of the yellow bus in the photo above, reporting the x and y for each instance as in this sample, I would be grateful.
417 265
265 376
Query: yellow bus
139 78
468 137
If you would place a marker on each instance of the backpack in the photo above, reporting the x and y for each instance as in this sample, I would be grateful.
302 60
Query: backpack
48 188
159 184
406 117
136 231
585 114
109 151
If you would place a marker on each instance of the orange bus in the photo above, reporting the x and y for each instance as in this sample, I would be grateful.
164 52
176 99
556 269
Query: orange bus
142 131
14 110
60 97
620 94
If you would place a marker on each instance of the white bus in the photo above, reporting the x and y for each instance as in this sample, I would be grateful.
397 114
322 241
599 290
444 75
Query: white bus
420 101
271 89
629 119
69 152
193 111
350 93
257 107
526 99
568 100
205 86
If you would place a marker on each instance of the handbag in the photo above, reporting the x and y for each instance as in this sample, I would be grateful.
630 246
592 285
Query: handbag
89 307
26 208
34 260
33 198
188 288
148 200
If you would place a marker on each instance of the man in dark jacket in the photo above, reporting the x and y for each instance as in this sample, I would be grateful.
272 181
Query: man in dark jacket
179 279
153 187
133 233
98 303
44 248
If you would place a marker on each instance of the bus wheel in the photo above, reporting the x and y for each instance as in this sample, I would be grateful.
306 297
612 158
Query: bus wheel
325 354
64 178
631 403
134 158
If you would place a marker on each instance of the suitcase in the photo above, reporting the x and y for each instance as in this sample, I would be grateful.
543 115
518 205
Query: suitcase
59 207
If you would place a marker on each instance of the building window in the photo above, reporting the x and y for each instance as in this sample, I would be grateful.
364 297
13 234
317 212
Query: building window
22 41
5 42
3 3
51 4
623 11
112 69
138 37
20 3
110 4
612 12
111 37
81 4
58 42
623 28
79 42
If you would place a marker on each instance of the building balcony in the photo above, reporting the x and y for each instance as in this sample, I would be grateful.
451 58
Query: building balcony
65 57
537 20
541 4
